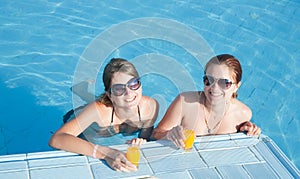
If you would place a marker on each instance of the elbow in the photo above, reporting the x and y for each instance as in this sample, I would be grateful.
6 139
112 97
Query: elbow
53 142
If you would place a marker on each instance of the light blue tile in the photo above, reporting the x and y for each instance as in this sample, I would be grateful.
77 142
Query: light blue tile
236 140
233 171
14 175
49 154
173 163
57 161
246 142
256 153
215 145
175 175
261 170
274 163
161 151
14 165
228 156
101 170
212 138
16 157
205 173
67 172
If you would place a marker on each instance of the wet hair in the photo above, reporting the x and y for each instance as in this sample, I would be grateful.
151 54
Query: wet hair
115 65
232 63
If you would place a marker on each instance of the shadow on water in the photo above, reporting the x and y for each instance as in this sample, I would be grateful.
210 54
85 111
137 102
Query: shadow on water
24 123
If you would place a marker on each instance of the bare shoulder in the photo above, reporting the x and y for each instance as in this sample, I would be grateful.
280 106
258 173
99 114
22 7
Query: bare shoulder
147 99
96 112
243 111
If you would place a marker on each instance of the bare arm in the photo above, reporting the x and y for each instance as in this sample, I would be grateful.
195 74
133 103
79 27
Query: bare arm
171 119
246 126
66 139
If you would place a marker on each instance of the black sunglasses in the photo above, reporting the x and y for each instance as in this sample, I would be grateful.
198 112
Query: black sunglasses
223 83
120 89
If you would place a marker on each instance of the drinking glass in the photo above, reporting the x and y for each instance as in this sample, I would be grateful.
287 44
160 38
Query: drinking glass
190 138
133 154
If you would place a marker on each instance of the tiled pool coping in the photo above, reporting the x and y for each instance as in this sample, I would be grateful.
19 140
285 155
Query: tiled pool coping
233 156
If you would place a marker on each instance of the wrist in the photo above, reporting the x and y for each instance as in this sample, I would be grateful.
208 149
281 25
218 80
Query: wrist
95 151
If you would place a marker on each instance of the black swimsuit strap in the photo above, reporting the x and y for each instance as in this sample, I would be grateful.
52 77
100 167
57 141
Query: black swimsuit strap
139 113
113 111
112 116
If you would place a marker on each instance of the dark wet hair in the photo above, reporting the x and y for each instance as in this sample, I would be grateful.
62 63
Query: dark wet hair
232 63
115 65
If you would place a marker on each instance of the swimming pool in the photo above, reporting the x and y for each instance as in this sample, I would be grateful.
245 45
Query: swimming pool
45 45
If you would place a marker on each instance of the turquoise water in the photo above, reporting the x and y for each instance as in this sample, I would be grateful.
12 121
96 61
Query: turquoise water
47 46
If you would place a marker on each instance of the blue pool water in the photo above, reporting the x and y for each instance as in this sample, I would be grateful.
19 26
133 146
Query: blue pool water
47 46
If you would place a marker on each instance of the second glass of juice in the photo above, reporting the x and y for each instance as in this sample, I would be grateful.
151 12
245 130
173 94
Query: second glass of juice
133 154
190 138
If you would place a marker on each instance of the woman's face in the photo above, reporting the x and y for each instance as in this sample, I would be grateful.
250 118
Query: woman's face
131 97
219 90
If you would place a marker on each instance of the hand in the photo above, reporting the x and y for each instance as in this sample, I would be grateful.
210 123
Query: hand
251 128
176 135
117 160
136 141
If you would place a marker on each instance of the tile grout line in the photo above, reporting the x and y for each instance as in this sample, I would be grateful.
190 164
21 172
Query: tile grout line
27 167
89 166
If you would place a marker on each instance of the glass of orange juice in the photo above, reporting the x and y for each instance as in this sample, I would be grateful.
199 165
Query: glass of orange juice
133 154
189 139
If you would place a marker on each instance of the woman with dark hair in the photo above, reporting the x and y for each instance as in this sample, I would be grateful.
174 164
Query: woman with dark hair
216 110
121 109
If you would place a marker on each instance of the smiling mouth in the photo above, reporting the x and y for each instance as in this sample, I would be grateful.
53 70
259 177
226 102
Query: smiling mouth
131 99
215 94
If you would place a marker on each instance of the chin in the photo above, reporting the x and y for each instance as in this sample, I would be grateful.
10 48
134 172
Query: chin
133 103
216 101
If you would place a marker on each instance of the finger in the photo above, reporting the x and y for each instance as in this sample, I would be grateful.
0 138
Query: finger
181 137
244 126
140 141
250 130
134 141
179 133
116 167
124 169
126 166
257 131
253 130
129 166
174 140
179 142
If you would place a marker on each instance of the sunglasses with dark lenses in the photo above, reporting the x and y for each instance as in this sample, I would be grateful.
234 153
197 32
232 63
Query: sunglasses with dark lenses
223 83
120 89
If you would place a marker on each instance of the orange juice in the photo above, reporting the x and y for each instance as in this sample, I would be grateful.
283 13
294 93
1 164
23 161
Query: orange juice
133 155
190 137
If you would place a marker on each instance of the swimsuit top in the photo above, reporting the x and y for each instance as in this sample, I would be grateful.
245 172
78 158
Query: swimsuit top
126 128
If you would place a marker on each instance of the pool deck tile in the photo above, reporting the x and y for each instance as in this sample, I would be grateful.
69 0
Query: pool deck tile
224 156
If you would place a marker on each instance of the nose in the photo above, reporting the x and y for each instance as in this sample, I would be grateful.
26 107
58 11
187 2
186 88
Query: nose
215 85
128 91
